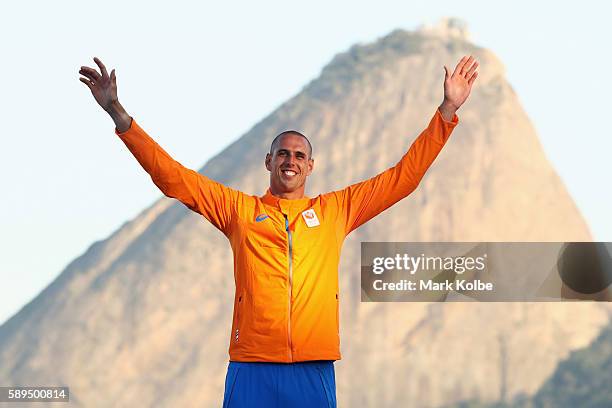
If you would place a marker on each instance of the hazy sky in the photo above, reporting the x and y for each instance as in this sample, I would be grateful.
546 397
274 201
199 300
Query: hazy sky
197 75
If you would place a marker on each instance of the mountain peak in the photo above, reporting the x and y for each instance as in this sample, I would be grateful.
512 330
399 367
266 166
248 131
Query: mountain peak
447 27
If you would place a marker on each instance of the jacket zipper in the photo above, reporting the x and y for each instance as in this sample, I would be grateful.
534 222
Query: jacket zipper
290 240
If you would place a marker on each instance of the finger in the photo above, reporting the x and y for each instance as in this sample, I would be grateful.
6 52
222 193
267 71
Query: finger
469 73
101 66
87 82
113 77
466 65
473 78
88 76
90 73
460 65
446 73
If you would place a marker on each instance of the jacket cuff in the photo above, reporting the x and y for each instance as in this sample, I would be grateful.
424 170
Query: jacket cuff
128 129
440 128
453 122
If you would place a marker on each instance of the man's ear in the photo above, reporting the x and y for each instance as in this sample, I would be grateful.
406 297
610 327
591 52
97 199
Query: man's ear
268 159
310 166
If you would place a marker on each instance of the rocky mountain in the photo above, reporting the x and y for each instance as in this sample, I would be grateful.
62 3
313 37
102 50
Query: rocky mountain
582 380
143 317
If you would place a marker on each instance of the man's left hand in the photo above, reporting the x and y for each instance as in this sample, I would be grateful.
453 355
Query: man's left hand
457 86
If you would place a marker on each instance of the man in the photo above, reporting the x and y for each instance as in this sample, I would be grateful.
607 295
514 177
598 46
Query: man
285 330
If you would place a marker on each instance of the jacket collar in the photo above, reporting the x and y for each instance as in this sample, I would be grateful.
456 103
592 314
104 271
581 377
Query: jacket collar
275 201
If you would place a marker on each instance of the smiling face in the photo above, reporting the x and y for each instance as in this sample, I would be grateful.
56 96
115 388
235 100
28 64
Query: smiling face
289 163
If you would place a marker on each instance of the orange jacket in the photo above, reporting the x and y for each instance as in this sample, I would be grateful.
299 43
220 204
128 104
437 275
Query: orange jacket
286 252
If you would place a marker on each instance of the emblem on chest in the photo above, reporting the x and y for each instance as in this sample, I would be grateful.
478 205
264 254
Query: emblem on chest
310 217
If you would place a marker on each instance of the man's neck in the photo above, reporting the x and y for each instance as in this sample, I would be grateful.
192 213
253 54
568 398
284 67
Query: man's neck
292 195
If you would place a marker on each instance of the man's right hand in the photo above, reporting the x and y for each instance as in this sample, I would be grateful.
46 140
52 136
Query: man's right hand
104 89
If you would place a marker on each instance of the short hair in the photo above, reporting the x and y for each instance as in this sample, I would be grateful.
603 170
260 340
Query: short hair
293 132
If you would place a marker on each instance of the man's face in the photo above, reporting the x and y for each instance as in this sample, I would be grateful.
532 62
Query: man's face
289 164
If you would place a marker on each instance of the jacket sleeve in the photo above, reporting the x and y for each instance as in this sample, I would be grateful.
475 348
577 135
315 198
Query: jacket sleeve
205 196
362 201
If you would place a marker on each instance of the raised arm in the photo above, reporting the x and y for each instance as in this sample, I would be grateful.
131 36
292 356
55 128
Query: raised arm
362 201
213 200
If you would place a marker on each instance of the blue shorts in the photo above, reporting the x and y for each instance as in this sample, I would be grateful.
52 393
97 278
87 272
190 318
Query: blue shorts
305 384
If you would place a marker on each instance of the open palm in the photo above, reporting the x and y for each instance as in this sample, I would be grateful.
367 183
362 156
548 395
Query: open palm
103 87
457 86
